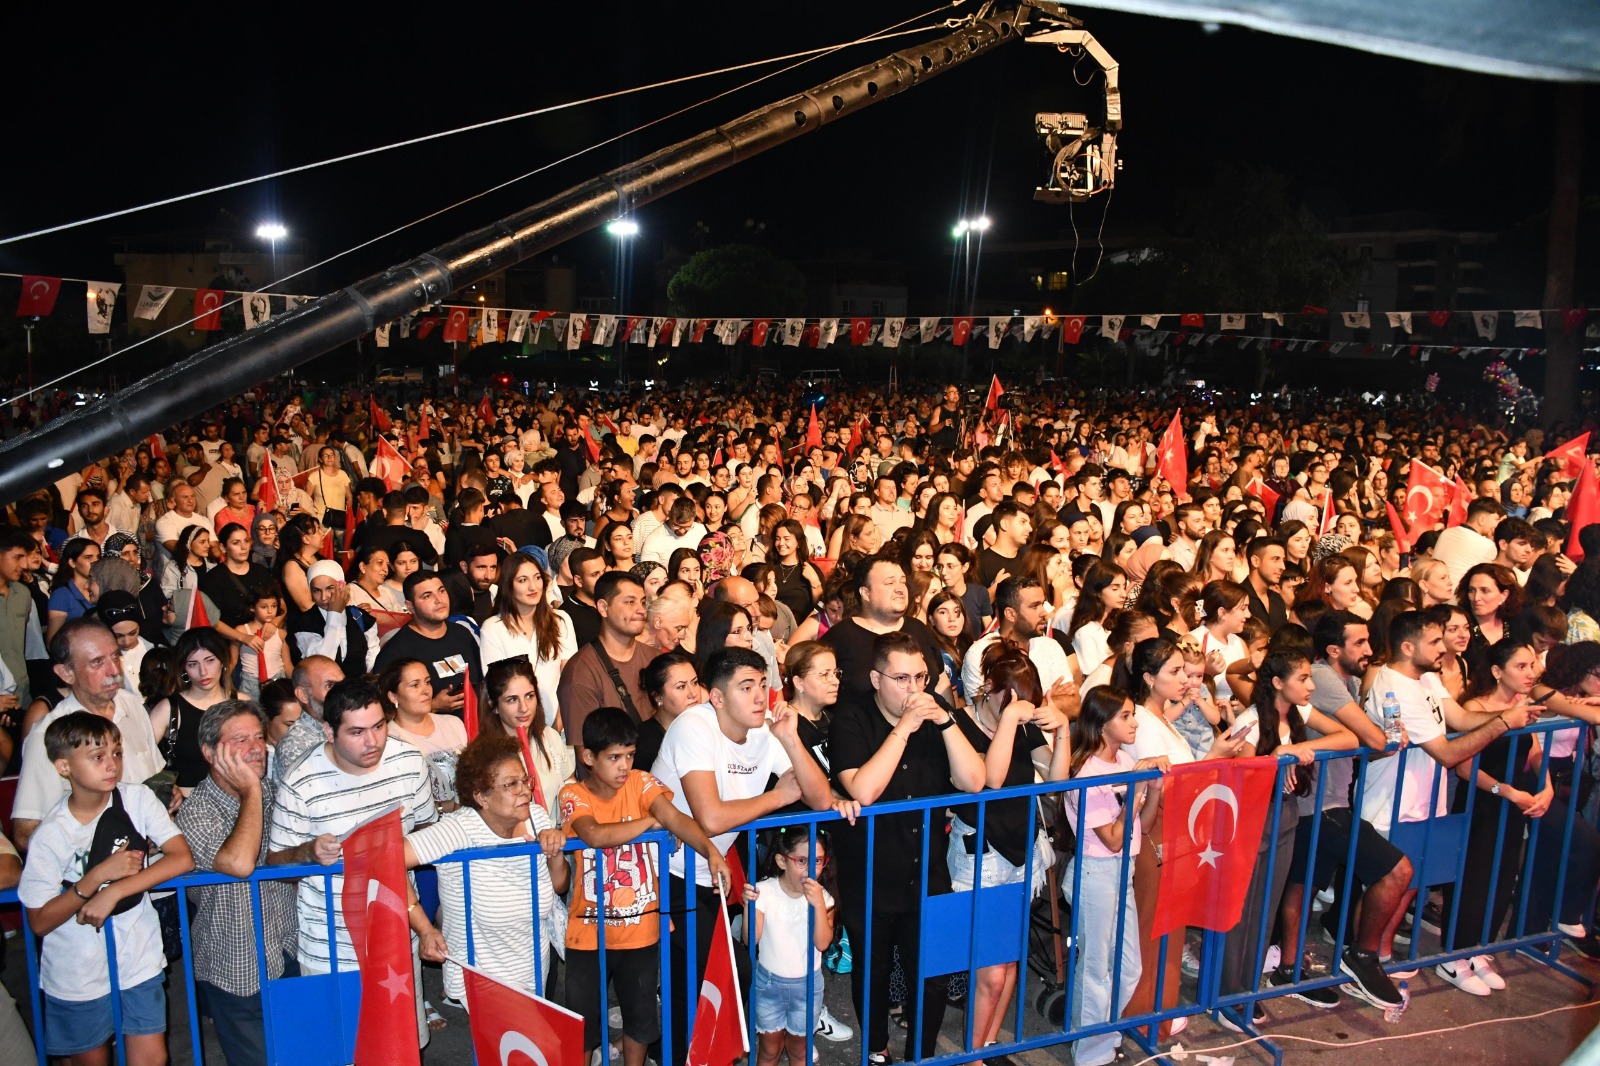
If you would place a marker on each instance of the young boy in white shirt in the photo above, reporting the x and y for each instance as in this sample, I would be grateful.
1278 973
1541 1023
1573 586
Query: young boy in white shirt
69 891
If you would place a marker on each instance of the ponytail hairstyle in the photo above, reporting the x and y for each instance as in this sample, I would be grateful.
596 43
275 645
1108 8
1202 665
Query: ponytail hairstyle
1149 656
1278 667
784 840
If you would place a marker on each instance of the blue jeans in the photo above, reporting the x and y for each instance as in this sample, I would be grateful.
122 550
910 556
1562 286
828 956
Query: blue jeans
1095 914
238 1022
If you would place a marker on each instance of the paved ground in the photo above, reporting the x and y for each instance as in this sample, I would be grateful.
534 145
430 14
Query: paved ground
1435 1005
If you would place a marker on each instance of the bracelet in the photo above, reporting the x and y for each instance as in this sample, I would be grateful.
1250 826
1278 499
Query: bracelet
80 895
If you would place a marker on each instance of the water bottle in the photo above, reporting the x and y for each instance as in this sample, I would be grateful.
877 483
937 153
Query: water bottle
1392 1014
1391 718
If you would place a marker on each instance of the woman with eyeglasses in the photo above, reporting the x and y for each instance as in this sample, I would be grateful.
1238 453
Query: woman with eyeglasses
811 686
494 790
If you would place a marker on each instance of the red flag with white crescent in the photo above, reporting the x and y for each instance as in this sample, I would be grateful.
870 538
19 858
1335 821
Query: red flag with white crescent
960 330
1427 496
1072 328
1215 812
1172 457
267 487
719 1037
208 308
509 1021
1572 456
455 326
859 330
1460 496
38 296
996 390
1330 515
374 902
1582 510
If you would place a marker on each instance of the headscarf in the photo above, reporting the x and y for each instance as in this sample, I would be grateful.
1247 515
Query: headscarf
118 541
716 553
260 553
1330 544
1143 558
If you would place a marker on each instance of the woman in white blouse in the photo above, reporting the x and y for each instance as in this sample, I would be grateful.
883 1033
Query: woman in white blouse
1105 590
1226 607
526 624
1159 685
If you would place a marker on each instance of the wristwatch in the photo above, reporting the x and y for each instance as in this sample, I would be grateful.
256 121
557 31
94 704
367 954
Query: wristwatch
1495 791
950 720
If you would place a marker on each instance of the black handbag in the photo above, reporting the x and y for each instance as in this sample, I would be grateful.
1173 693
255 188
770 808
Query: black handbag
114 830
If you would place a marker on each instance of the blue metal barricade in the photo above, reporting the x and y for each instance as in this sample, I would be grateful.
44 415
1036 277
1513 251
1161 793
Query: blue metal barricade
310 1019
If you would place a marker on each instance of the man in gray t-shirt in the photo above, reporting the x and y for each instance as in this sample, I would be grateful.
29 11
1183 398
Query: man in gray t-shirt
1342 653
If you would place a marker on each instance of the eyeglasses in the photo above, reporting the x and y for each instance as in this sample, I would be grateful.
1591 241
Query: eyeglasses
837 675
514 786
911 680
822 860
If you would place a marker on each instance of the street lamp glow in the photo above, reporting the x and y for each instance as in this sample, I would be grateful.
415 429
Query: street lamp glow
968 226
622 227
981 223
271 231
961 229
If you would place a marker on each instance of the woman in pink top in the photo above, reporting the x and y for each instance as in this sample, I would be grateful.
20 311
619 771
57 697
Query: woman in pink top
1109 825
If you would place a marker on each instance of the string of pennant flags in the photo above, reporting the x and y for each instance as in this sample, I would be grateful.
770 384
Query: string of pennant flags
474 324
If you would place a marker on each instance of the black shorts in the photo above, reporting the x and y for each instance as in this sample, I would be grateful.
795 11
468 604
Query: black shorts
634 975
1374 858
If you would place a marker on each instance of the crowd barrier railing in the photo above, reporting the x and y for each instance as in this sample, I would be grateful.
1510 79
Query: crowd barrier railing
309 1019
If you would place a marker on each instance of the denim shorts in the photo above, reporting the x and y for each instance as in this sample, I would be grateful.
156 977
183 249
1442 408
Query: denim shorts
73 1027
781 1002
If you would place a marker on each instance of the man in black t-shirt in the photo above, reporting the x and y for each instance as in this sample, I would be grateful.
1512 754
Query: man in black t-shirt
577 600
449 651
1012 527
881 586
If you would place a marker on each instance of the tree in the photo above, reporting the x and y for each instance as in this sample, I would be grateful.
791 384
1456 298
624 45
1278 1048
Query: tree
737 279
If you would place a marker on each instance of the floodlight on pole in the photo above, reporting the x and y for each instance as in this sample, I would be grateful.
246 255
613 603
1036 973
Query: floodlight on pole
622 227
271 231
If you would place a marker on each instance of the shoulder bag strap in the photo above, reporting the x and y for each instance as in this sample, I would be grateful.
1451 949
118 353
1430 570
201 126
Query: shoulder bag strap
616 679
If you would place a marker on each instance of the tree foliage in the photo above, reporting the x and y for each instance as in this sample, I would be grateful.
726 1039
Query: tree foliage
737 279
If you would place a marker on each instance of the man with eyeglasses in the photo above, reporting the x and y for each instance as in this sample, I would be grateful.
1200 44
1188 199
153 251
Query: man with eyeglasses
897 742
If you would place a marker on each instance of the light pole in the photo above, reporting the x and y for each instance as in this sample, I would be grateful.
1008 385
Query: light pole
965 264
624 230
272 233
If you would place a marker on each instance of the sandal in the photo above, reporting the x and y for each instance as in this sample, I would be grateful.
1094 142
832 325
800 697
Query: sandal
897 1014
436 1021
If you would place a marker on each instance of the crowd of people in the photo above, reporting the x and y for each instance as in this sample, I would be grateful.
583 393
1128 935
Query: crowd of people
583 616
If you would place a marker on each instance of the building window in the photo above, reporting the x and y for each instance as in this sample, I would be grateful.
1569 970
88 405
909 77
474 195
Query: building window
846 306
1060 279
491 287
877 308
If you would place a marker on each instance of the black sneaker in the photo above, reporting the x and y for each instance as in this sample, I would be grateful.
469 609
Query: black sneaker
1587 945
1367 979
1432 917
879 1058
1257 1020
1321 998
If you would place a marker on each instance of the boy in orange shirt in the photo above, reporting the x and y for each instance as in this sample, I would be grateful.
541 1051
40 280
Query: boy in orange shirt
609 810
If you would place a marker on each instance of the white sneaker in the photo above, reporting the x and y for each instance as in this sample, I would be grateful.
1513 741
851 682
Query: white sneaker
1322 900
1397 975
1576 932
1273 957
1463 978
1483 966
831 1028
1190 963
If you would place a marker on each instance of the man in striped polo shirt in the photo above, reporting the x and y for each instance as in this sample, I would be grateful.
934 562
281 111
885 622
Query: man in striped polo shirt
360 772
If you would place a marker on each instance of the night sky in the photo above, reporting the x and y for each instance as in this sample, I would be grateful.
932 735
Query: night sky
159 106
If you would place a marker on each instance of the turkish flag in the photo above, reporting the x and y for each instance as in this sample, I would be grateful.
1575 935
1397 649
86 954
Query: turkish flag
1072 328
860 330
1269 499
350 522
1582 510
1399 527
455 326
1427 496
208 308
380 417
427 326
700 327
1572 456
813 430
1172 457
762 326
1460 496
469 706
374 902
855 439
718 1040
158 446
425 427
1215 811
267 487
1440 319
38 296
960 330
1330 515
508 1020
1056 464
813 335
629 326
996 390
1572 317
1192 321
196 617
389 465
486 409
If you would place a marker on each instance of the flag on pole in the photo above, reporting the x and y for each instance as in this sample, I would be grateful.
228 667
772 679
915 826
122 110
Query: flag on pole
1216 811
38 296
380 417
508 1020
267 487
1330 515
373 899
349 522
1582 510
1427 496
527 756
1172 457
389 465
996 390
1401 535
102 302
1460 496
813 430
1263 492
719 1037
195 616
1571 455
469 706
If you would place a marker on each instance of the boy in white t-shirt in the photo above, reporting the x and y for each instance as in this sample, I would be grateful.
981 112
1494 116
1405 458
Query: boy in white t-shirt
68 900
717 758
